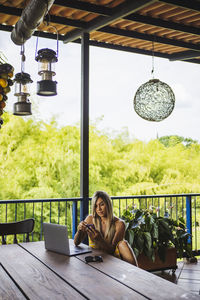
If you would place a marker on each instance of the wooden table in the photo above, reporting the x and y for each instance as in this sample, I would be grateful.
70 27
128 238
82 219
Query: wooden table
28 271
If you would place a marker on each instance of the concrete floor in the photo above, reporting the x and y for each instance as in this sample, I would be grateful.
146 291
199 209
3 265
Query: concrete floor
187 276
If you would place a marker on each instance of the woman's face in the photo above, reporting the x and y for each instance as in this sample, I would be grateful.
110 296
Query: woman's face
100 208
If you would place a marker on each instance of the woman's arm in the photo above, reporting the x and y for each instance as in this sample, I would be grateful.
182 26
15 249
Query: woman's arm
120 232
82 231
102 243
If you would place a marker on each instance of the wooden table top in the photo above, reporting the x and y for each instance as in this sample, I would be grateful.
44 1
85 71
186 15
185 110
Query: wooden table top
28 271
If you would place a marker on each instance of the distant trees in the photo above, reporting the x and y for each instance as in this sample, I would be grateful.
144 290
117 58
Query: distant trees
172 140
38 160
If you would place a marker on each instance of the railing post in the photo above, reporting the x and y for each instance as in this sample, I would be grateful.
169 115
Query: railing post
74 218
189 217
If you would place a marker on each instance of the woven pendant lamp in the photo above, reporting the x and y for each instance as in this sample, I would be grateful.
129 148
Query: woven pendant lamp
154 100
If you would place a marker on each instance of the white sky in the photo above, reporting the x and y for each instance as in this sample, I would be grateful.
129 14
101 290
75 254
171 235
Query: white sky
114 79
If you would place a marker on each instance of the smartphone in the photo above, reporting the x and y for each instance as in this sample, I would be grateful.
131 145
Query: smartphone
90 226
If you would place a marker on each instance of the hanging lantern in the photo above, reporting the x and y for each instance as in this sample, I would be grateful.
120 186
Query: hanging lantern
46 59
154 100
22 84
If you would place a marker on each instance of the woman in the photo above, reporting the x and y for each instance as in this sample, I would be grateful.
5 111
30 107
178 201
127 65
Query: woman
105 231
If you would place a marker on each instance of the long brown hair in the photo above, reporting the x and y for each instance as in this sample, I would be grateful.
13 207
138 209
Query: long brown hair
110 226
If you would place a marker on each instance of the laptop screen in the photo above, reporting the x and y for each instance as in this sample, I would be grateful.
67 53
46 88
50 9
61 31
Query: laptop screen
56 239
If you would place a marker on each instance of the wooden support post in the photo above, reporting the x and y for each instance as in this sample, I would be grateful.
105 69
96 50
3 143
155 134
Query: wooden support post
84 168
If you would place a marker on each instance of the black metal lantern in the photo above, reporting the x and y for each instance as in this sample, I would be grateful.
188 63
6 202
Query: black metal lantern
23 106
46 59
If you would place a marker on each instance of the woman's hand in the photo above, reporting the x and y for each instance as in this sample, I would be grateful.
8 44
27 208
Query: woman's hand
82 226
94 234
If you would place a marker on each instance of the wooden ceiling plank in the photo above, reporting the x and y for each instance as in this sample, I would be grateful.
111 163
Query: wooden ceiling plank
145 28
139 43
89 17
123 24
191 4
175 12
115 40
98 35
115 3
134 26
77 15
195 24
150 8
157 30
192 19
185 15
165 9
192 38
173 34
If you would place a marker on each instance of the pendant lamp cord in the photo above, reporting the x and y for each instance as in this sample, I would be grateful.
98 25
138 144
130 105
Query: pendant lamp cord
23 58
152 70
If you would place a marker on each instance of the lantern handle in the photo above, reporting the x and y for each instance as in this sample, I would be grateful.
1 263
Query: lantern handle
56 39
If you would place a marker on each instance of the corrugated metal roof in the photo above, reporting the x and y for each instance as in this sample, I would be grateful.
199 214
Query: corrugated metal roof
172 26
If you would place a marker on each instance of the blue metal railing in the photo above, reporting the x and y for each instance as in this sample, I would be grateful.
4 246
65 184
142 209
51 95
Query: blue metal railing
67 211
61 211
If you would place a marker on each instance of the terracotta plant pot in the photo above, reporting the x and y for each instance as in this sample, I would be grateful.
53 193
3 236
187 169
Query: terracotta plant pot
170 262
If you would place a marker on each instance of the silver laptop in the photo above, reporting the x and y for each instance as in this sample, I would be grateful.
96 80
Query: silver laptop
56 239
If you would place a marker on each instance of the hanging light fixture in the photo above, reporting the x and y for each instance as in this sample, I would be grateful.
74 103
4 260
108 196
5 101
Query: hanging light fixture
22 83
154 100
46 59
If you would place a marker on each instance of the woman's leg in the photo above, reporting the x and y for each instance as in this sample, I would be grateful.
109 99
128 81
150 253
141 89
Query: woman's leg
127 253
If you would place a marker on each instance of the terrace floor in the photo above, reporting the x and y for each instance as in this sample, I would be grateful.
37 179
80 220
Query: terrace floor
187 276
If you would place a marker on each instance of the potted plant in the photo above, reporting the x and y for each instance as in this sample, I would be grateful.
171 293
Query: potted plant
156 241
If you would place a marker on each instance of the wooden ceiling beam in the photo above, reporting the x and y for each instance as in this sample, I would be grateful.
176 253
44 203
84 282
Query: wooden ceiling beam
54 19
184 55
120 11
149 37
134 50
108 46
163 24
85 6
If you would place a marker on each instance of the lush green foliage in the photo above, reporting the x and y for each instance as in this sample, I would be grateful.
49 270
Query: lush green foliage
148 232
38 160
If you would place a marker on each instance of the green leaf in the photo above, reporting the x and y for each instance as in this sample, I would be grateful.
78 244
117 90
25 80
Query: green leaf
162 253
126 225
155 231
130 237
147 241
148 222
139 214
136 251
139 242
